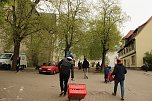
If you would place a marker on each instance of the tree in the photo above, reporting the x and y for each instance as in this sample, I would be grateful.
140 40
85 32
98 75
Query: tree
44 46
111 16
21 16
104 29
70 21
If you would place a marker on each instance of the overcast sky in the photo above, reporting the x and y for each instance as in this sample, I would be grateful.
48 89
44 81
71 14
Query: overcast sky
138 10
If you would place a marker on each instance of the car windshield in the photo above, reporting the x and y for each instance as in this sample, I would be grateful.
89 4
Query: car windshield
5 56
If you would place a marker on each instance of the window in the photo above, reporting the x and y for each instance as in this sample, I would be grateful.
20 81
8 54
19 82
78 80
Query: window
133 60
125 62
5 56
124 51
127 50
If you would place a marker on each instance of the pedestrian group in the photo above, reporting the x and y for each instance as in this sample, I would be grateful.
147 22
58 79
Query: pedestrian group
66 67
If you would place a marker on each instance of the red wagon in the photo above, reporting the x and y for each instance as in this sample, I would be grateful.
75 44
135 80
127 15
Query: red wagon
76 91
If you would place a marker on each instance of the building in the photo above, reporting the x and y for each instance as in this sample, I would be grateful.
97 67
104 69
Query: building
136 43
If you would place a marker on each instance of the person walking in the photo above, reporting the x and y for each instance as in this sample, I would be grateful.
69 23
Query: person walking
18 64
85 67
119 73
79 65
65 66
98 66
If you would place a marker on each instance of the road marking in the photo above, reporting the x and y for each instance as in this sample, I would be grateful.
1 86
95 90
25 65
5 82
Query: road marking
8 87
21 89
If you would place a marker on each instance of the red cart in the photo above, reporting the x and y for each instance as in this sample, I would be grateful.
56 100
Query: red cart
110 77
76 91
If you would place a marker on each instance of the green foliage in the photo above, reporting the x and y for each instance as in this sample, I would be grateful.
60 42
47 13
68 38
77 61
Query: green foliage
42 44
1 13
148 59
107 61
69 28
106 27
70 24
92 40
21 19
37 48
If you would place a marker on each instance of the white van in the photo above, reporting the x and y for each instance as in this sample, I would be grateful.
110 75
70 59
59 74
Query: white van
6 60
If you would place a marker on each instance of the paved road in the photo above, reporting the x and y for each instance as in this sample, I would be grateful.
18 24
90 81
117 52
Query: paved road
31 86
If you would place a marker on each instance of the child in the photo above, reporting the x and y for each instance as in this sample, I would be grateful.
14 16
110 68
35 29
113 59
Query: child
106 71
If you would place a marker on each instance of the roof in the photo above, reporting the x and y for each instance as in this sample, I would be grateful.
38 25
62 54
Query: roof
132 33
129 34
140 28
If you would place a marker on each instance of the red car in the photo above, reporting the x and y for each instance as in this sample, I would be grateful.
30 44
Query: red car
52 69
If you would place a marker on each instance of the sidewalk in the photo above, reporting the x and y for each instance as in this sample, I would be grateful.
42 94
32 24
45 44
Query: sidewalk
136 89
137 86
32 86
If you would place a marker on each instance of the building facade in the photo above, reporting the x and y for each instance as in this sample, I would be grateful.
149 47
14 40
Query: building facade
136 43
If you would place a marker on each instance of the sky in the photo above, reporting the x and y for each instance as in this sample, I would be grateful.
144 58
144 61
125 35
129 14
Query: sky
138 10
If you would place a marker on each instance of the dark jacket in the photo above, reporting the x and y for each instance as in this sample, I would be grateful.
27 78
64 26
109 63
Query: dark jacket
18 61
106 70
65 66
119 72
85 64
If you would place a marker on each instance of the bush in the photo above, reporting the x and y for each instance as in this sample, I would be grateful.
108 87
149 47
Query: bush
148 59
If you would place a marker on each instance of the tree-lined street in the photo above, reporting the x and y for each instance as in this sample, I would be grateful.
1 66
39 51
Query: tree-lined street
31 86
75 27
49 30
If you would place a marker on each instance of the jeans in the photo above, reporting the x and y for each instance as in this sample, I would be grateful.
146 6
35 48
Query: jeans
121 86
85 71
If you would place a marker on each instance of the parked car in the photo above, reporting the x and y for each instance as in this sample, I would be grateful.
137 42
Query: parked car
6 60
52 69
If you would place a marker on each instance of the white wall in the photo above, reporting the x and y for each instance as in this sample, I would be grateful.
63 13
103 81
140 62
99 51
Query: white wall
112 57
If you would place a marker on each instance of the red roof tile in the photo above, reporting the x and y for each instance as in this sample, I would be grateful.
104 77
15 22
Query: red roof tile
129 34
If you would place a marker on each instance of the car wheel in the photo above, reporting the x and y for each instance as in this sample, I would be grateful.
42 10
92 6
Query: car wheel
5 66
40 72
8 67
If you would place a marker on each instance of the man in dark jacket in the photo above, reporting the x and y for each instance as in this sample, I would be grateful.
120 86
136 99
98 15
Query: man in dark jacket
119 72
85 67
65 67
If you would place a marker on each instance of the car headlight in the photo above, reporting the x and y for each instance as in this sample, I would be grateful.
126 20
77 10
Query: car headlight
40 68
49 69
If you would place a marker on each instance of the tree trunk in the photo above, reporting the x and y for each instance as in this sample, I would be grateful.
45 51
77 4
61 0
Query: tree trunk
103 57
16 54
